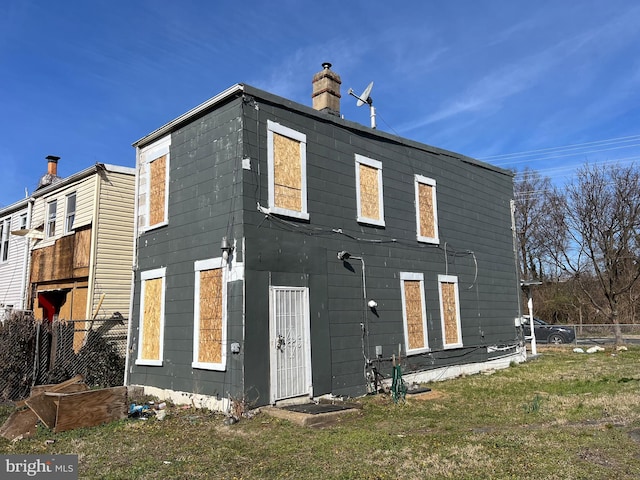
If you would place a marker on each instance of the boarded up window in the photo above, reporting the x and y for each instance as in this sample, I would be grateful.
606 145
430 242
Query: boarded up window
450 311
210 328
287 173
209 349
413 309
414 312
426 218
286 157
153 173
150 343
369 190
157 187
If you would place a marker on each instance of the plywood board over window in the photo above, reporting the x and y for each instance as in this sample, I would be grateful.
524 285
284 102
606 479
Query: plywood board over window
209 349
286 158
153 184
414 312
151 327
426 209
369 191
450 311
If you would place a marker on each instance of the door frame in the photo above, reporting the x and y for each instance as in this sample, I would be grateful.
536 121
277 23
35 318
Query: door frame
306 331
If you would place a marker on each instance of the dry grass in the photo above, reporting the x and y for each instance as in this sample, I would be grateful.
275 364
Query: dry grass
562 416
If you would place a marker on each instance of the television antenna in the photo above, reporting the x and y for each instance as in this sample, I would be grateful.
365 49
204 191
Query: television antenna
365 97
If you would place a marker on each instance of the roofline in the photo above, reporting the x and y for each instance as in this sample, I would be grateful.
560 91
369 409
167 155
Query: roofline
66 181
168 127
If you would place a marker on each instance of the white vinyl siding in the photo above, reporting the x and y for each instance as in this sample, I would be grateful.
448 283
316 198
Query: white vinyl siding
14 269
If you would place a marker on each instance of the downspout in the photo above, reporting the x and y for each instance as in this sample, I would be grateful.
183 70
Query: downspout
134 268
26 275
94 245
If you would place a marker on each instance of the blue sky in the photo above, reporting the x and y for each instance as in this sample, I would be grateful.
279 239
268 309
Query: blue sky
84 79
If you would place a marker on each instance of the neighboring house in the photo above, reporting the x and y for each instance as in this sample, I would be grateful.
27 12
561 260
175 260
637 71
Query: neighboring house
14 256
282 251
82 226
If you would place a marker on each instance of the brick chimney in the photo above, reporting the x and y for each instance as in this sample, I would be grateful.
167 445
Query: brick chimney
52 165
326 90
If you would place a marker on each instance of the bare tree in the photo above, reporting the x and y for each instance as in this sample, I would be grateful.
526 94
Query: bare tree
597 235
530 190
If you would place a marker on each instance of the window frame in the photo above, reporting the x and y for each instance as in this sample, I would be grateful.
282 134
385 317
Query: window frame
376 164
51 218
422 180
23 221
413 276
68 214
149 154
158 273
5 235
199 266
454 280
273 127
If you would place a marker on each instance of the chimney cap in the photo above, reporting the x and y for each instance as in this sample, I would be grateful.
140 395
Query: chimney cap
52 158
326 65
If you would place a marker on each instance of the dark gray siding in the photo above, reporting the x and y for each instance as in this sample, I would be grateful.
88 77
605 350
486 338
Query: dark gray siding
205 178
474 226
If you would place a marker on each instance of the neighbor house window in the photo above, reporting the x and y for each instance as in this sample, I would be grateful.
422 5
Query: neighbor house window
287 162
426 209
153 185
210 305
23 221
151 334
5 231
52 208
450 311
70 213
414 312
369 191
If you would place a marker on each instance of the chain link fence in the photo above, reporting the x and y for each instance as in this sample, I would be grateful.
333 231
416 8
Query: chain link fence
33 352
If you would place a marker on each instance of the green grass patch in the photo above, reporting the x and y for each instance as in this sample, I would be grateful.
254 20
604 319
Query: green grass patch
561 416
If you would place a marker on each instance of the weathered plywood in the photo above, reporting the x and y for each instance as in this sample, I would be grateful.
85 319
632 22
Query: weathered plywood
287 173
449 313
82 250
210 334
79 312
369 192
90 408
44 407
413 311
425 198
151 319
157 187
21 423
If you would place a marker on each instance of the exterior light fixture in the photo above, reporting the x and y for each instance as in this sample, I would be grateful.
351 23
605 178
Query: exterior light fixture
227 249
344 255
372 304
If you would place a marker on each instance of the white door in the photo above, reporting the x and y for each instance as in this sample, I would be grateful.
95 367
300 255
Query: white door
290 343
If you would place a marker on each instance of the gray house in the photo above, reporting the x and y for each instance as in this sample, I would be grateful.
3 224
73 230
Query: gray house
283 252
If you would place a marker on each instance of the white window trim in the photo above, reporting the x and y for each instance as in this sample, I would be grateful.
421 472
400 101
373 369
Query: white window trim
450 279
23 221
48 218
378 166
200 265
66 212
151 275
5 239
414 277
419 179
273 127
147 155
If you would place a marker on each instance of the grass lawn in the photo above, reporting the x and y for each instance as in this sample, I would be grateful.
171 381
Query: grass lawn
561 416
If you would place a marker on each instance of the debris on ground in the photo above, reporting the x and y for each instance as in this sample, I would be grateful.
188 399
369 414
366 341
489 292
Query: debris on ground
65 406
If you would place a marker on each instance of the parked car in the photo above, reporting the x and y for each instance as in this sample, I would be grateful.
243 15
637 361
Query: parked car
546 332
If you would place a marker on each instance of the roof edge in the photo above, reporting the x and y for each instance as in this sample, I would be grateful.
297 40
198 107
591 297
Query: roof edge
168 127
